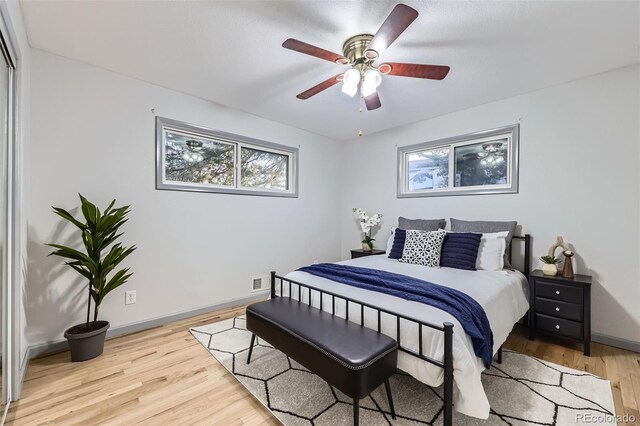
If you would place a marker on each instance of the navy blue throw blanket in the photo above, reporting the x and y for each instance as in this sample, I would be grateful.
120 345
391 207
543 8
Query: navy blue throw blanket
465 309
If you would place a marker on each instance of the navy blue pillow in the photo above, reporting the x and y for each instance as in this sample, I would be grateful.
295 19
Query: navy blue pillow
460 250
399 238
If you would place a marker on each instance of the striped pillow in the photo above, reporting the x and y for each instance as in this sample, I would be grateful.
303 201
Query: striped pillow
399 238
460 250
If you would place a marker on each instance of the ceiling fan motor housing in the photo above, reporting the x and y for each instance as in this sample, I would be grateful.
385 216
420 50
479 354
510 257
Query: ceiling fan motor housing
355 47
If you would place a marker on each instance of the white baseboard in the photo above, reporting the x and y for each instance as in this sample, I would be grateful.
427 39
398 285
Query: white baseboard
61 345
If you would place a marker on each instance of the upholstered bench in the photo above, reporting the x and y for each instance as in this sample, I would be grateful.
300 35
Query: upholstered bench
352 358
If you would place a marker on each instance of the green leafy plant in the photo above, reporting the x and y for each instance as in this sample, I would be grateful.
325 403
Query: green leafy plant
100 232
368 241
550 260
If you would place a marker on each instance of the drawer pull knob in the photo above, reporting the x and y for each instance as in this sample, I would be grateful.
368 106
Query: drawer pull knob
557 326
557 309
557 291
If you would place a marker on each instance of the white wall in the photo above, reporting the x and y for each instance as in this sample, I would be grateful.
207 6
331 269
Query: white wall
93 133
578 178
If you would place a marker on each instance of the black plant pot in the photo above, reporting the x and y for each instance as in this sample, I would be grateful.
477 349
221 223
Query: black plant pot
86 344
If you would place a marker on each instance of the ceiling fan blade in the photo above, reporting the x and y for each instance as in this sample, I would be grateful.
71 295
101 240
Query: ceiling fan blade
432 72
372 101
320 87
302 47
398 20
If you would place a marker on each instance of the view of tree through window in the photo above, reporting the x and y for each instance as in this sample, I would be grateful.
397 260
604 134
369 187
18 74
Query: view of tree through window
481 163
194 159
485 162
429 169
263 169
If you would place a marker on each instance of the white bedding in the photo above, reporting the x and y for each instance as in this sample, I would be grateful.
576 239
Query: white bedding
502 294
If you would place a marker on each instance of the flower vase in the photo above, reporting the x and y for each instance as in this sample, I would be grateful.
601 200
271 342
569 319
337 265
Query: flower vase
549 269
366 247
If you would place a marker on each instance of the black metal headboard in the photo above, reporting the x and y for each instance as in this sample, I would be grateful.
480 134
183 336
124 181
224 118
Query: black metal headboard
527 252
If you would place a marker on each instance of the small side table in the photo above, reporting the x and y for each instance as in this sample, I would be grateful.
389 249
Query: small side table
361 253
561 306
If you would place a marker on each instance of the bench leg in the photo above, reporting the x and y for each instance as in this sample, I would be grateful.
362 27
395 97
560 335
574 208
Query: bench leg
500 355
356 412
387 387
253 340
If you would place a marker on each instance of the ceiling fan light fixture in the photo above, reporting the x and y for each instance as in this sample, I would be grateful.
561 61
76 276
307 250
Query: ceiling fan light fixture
349 89
352 77
368 89
373 77
371 81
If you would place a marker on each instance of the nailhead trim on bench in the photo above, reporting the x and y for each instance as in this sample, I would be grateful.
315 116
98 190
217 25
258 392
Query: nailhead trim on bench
338 360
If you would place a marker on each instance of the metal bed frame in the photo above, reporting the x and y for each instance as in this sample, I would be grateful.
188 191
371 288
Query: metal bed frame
447 328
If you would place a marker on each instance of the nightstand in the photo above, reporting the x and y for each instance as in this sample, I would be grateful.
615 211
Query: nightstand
361 253
561 306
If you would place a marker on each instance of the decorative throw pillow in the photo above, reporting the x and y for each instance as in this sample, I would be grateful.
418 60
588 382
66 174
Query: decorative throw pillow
421 224
423 247
460 250
399 239
490 252
390 240
484 227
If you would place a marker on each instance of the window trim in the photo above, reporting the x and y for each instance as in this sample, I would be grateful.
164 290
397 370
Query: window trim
513 131
224 137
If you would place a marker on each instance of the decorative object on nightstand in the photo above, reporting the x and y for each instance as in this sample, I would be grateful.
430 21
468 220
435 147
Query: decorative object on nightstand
549 268
361 253
367 223
567 269
561 306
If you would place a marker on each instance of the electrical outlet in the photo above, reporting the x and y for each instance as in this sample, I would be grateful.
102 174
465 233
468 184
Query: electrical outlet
130 297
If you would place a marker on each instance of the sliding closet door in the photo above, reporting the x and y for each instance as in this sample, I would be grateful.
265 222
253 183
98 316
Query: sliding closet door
5 92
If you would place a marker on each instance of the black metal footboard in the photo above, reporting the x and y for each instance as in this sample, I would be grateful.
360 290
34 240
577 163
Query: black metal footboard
447 328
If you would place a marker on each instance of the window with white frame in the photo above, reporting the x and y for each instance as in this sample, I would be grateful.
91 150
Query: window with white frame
193 158
479 163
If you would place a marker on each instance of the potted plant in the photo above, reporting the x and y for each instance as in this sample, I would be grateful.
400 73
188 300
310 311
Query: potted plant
367 223
549 267
97 262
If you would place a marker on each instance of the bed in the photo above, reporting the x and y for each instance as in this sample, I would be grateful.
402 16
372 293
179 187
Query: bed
434 348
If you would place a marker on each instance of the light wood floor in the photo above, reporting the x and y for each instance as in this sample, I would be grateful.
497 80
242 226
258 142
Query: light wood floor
164 376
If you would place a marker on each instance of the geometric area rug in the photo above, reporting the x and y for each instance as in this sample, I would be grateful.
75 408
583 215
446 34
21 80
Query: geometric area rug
522 390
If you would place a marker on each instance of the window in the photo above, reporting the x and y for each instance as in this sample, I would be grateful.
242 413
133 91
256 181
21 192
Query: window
192 158
479 163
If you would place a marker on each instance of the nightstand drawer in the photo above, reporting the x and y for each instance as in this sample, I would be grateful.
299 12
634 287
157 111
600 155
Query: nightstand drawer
555 291
560 309
559 326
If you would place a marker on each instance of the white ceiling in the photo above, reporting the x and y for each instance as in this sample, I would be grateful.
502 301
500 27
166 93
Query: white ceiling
230 52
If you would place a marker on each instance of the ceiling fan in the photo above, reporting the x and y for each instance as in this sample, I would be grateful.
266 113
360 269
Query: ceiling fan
360 52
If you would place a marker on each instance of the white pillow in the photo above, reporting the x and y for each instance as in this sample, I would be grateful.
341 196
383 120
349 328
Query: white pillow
390 240
491 251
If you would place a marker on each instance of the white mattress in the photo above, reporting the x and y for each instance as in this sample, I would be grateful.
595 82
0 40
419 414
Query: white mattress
502 294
